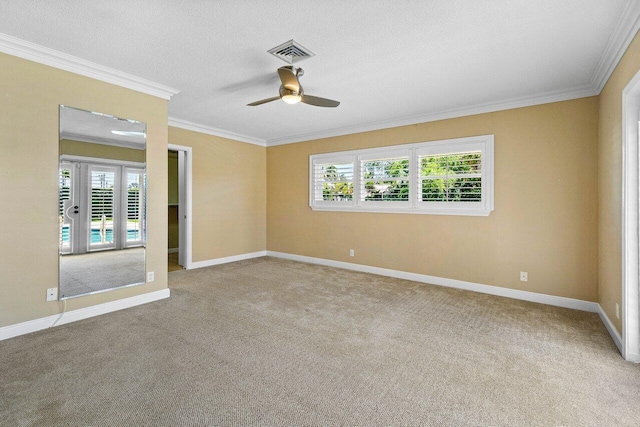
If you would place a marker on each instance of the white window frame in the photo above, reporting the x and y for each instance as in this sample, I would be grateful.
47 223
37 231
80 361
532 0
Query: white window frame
337 158
482 143
382 155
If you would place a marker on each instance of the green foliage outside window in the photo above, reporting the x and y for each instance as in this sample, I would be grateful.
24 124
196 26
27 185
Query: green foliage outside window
444 178
451 178
338 183
383 180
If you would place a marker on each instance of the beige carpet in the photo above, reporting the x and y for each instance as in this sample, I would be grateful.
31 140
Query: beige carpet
98 271
272 342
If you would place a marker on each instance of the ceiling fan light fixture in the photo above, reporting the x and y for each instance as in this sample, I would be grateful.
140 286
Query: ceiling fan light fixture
291 91
291 98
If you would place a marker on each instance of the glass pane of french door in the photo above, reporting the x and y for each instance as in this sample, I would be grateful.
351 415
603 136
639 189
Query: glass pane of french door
65 207
102 207
135 206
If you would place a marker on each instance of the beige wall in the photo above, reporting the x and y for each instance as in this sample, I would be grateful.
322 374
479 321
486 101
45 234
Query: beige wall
546 207
610 182
30 95
229 195
101 151
554 217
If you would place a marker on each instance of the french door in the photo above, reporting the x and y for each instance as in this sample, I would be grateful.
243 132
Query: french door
101 207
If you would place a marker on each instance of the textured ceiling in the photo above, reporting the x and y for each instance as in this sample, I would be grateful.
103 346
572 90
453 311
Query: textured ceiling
388 62
98 128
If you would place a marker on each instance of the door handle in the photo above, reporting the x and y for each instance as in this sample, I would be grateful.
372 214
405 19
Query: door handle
75 210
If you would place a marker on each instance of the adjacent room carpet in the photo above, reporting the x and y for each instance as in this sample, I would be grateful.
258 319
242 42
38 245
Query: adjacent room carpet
276 343
97 271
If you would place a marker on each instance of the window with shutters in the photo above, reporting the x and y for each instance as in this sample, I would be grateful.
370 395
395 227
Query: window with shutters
384 178
136 205
333 182
452 177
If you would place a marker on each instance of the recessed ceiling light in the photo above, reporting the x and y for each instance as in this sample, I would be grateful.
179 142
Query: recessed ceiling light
127 133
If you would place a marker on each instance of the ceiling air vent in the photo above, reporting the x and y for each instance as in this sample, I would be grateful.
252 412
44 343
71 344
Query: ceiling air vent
291 52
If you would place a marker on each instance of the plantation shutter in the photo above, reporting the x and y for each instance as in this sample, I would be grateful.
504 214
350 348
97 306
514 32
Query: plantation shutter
451 177
448 177
333 181
135 205
384 179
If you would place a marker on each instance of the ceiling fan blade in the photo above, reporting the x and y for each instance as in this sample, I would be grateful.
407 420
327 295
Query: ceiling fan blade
319 102
263 101
289 79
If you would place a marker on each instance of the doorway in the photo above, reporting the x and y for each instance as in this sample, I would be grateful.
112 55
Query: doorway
179 209
631 220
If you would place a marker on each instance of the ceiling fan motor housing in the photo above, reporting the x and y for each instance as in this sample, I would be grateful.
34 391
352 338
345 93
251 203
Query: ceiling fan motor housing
288 92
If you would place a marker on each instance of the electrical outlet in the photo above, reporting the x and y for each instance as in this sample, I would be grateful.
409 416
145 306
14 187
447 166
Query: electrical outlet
617 311
352 252
524 276
150 276
52 294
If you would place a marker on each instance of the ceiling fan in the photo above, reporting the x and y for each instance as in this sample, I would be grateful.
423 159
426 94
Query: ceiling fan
291 91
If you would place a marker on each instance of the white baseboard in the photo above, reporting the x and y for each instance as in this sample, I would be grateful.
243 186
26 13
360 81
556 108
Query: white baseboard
225 260
617 339
173 250
575 304
84 313
79 314
633 357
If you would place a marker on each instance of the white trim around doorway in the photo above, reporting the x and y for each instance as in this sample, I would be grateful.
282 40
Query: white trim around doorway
188 170
630 221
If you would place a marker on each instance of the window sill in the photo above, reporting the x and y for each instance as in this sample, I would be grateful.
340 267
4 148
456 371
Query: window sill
419 211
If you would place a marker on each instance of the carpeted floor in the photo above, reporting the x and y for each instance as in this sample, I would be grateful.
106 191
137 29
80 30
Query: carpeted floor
98 271
273 342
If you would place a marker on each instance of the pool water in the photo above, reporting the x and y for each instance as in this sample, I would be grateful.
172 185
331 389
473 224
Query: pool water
95 235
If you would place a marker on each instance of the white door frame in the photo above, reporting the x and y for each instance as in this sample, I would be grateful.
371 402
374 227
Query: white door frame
630 221
185 167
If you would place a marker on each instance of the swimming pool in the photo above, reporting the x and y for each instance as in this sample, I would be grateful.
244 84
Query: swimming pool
95 235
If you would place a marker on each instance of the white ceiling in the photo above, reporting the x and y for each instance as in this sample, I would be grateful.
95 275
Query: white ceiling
389 62
87 126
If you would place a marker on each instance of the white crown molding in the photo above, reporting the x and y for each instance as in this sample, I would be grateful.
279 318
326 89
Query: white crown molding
624 32
621 37
103 141
196 127
43 55
545 98
82 313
